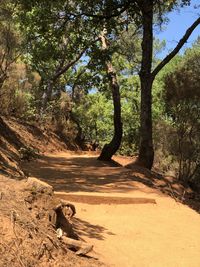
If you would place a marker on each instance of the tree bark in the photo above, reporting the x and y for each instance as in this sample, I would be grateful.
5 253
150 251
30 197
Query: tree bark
146 150
110 149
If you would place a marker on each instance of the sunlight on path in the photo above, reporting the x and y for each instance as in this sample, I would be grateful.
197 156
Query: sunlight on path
165 234
145 235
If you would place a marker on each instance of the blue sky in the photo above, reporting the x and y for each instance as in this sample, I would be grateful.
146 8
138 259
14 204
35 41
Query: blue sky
178 23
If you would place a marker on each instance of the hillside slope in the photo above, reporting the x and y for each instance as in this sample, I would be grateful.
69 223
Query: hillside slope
15 134
26 235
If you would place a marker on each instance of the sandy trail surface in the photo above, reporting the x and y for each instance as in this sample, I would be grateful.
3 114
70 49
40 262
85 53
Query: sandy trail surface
129 223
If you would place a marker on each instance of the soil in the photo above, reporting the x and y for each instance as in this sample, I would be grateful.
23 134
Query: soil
132 216
26 236
16 134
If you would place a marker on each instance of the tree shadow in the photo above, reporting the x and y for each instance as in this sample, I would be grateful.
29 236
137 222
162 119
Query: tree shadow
87 174
168 185
86 229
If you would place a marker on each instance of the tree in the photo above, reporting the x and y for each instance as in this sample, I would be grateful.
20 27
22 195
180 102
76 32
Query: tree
56 40
80 22
182 98
110 149
144 13
9 40
79 82
94 115
147 76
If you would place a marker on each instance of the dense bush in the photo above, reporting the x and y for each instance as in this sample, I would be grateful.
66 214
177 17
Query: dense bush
181 96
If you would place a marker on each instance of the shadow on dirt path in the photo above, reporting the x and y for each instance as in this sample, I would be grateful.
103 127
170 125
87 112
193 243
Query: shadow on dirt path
71 172
154 235
86 229
80 173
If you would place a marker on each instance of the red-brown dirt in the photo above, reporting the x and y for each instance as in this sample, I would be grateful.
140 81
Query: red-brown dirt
132 216
124 232
25 236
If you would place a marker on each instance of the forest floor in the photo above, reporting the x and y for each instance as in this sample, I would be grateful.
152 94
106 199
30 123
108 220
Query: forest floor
132 216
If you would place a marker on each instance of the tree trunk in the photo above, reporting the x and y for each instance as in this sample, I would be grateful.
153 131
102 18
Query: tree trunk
47 96
146 150
147 76
110 149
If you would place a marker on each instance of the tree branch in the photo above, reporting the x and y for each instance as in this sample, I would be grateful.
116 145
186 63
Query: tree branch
66 67
180 44
123 7
60 71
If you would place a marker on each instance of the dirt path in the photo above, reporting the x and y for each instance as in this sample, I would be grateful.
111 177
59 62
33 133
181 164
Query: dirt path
116 212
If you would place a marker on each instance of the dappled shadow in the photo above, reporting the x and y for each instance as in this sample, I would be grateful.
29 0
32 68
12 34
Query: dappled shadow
86 229
8 160
84 173
167 185
81 173
10 143
87 174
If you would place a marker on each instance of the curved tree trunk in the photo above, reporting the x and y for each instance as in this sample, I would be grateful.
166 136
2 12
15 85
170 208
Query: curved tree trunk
110 149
